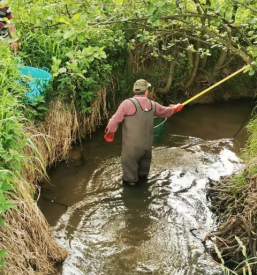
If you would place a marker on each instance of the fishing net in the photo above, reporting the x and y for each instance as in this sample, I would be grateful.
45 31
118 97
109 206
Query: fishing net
159 129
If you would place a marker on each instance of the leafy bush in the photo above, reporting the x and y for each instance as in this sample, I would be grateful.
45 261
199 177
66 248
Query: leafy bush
81 59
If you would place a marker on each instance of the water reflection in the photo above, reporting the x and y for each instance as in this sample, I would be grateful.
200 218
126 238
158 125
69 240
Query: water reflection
136 201
146 229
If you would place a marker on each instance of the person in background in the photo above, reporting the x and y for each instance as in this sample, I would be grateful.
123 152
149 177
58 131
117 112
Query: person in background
7 30
137 115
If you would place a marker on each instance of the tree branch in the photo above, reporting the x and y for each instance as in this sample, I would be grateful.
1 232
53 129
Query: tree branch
234 11
196 64
198 6
246 6
198 39
67 10
225 42
171 71
231 48
218 65
173 17
239 31
47 26
190 58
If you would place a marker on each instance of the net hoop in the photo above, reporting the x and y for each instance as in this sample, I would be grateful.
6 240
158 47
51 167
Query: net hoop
160 123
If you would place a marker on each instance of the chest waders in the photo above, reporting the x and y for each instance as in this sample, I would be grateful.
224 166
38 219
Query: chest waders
137 140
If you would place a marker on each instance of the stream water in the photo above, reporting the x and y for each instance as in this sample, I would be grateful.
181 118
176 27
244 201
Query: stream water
157 227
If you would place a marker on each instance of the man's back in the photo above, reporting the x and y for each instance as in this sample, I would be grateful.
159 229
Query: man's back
137 128
127 108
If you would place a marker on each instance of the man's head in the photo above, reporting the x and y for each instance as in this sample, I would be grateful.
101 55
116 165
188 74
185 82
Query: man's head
141 87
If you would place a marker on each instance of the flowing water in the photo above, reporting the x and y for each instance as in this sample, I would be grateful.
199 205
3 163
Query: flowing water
157 227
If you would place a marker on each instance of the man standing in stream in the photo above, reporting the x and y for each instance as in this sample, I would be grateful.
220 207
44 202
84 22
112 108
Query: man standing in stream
137 115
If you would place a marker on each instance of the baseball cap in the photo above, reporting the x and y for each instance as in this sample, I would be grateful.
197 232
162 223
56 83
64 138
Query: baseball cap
141 85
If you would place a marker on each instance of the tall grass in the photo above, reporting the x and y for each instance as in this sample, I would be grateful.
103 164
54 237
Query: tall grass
250 150
12 135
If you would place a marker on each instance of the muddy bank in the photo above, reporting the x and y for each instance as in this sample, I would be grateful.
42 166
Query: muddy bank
157 227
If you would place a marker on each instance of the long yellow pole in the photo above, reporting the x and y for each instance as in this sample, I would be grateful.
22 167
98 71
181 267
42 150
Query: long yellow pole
215 85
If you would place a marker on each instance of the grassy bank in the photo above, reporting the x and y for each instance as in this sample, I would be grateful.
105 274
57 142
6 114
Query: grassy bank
27 148
234 201
95 51
26 243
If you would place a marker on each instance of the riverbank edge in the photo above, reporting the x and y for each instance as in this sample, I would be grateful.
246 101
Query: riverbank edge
233 200
27 236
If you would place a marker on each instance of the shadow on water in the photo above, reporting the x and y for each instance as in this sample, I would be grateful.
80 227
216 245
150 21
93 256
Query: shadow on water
158 226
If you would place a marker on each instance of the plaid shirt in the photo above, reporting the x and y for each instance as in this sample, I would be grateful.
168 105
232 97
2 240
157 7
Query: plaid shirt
5 15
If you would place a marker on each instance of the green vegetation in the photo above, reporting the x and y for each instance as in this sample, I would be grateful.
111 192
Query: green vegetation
250 151
12 135
94 44
88 45
245 267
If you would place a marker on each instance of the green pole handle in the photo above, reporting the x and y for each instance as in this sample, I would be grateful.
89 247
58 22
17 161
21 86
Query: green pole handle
215 85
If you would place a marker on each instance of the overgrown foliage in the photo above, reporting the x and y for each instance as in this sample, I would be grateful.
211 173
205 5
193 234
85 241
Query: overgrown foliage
12 136
90 45
81 58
